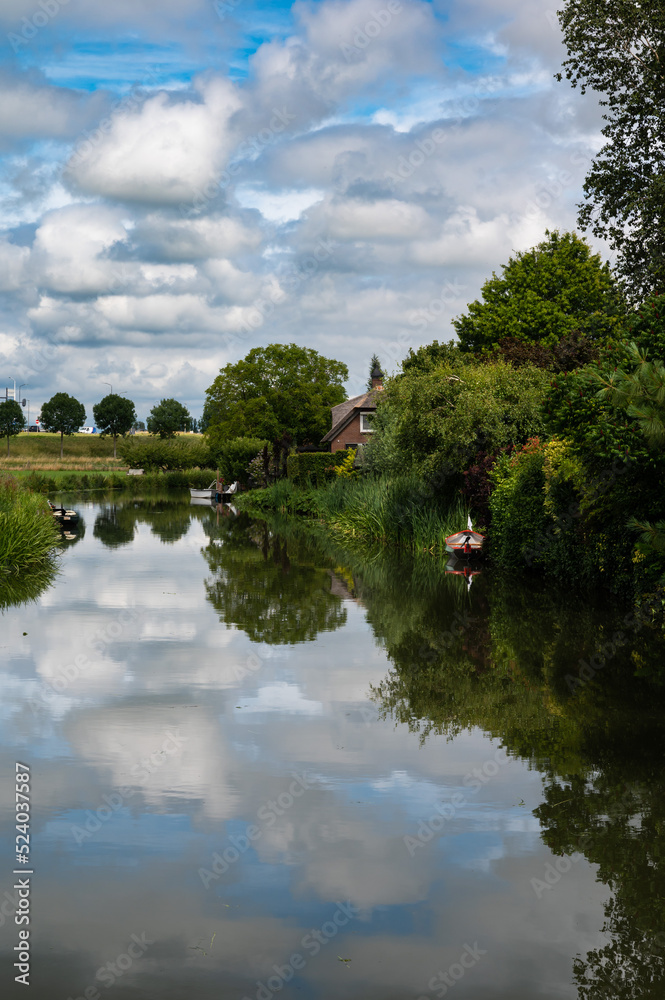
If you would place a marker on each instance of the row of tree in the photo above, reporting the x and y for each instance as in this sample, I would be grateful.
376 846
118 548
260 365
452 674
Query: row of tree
114 415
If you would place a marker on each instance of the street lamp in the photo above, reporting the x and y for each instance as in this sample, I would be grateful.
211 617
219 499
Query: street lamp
19 389
14 381
109 384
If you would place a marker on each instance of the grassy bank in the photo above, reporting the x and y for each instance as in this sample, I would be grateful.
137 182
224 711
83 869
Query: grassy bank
55 482
28 533
82 452
400 511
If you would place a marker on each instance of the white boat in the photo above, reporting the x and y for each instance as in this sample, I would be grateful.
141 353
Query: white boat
208 494
216 489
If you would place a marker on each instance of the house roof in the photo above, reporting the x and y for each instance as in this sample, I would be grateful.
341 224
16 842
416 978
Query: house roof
343 413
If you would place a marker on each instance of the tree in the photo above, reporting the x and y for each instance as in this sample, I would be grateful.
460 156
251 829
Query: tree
373 365
543 295
167 417
12 420
114 415
63 413
639 389
616 48
441 418
278 390
138 425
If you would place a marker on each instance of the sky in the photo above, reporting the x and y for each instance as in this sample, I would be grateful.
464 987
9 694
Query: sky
183 180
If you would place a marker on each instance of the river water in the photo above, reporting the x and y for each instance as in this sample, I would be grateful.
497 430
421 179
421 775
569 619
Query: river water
262 764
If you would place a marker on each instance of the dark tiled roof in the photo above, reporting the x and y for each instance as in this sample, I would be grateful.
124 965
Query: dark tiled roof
344 412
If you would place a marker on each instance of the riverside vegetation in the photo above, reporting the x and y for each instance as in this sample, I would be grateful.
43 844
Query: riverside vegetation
28 533
550 437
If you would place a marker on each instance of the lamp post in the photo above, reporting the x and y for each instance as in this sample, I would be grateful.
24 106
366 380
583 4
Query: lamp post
109 384
14 381
19 390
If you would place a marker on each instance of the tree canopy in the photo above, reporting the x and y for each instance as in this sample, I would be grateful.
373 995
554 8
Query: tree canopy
167 417
437 420
114 415
544 294
12 420
616 48
278 390
63 413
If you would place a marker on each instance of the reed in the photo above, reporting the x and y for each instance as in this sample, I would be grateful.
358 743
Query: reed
28 533
397 511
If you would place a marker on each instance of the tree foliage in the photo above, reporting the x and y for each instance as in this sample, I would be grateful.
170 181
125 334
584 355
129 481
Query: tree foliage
168 417
278 390
374 363
115 416
444 416
543 295
12 420
63 413
617 49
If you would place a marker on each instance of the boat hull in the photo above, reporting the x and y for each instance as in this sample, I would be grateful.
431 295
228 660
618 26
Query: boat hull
465 543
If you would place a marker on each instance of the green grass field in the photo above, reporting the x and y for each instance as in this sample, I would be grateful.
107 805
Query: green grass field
82 453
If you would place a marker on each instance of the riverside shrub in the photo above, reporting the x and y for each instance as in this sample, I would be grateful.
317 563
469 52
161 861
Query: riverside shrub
167 455
313 468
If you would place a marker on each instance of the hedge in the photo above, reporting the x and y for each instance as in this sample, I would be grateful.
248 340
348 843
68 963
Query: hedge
313 468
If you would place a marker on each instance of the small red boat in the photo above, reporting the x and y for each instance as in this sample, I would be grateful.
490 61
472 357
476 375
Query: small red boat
465 543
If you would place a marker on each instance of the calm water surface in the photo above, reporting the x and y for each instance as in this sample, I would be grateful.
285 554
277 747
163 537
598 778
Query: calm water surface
264 765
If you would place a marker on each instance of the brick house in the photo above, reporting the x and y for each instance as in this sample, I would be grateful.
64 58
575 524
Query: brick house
351 420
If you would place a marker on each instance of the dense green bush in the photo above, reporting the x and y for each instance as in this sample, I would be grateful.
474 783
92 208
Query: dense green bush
169 455
445 415
233 457
313 468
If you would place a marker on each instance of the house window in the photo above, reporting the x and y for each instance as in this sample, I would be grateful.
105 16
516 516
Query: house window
366 420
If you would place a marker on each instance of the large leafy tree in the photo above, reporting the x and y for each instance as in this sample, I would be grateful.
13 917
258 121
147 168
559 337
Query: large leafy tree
168 417
114 415
437 420
617 48
63 413
544 294
12 420
276 391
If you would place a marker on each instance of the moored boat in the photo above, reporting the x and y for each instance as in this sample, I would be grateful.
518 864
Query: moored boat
64 517
216 491
465 543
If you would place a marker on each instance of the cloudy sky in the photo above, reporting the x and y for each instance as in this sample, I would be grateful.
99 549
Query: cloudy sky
182 180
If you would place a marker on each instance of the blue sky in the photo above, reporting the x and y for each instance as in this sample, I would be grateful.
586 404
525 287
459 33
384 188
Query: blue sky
182 180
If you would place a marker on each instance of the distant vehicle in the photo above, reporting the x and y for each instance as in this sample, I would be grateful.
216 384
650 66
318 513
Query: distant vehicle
87 430
33 427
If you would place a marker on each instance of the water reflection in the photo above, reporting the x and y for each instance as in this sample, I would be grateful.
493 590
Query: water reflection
269 586
169 693
22 587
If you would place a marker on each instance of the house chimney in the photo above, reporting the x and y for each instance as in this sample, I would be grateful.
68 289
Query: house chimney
377 378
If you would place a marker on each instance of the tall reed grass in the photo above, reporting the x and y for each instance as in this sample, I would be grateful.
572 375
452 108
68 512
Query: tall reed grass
28 532
400 511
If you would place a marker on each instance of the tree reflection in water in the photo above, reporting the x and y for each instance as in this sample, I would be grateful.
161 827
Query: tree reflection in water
600 746
275 589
